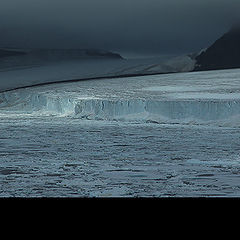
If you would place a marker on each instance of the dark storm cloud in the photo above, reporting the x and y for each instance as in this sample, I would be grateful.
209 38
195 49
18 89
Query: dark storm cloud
144 26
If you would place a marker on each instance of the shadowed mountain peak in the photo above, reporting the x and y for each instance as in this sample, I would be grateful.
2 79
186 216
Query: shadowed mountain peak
223 54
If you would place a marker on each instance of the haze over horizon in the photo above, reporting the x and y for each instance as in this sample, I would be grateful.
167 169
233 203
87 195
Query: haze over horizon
137 27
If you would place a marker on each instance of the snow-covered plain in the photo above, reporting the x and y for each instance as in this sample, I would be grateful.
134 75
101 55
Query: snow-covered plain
163 135
22 71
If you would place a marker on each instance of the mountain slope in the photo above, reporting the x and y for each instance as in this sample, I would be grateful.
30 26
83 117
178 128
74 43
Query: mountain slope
223 54
8 53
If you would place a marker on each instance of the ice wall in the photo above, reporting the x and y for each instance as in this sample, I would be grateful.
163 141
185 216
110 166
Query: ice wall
173 111
37 103
140 110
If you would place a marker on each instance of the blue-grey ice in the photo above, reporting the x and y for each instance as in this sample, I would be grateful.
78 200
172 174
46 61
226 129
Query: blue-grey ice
163 135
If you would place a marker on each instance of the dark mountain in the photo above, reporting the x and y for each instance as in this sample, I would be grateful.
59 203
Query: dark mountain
8 53
29 57
71 53
223 54
59 54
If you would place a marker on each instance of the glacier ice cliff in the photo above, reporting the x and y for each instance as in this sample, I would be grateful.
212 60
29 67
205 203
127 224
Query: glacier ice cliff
140 110
182 98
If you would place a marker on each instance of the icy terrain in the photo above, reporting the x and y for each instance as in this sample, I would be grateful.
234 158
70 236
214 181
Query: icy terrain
47 66
181 98
163 135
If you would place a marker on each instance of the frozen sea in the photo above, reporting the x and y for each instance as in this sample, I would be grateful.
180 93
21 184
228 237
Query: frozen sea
169 135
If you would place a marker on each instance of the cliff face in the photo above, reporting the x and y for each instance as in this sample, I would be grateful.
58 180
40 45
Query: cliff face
223 54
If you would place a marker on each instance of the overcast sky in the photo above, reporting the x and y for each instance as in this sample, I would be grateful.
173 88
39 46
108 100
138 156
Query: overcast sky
137 26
